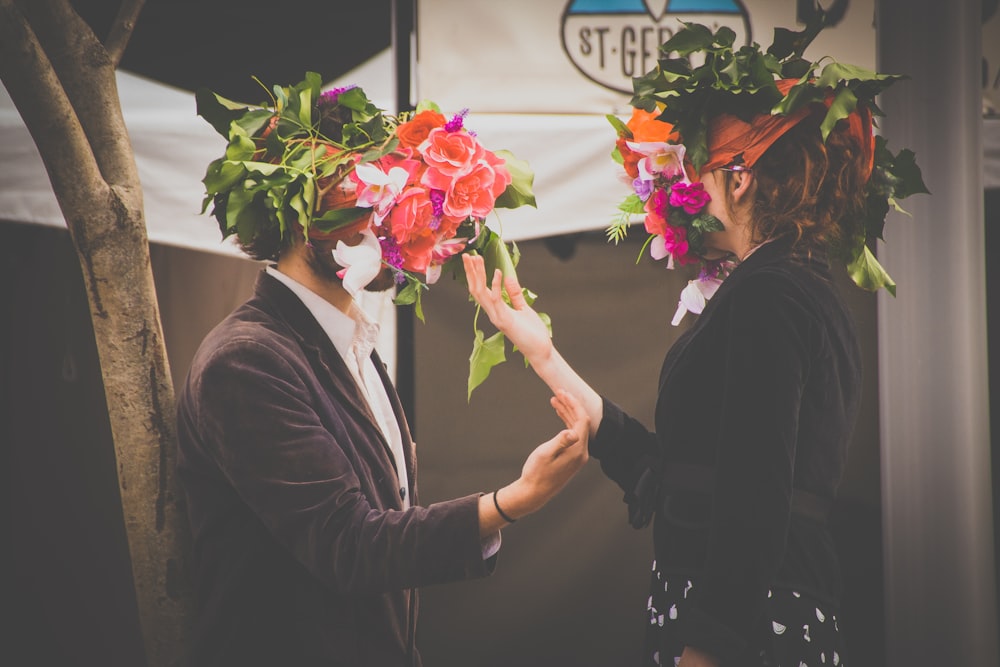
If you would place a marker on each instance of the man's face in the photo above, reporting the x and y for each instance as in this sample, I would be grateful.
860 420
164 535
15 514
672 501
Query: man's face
319 257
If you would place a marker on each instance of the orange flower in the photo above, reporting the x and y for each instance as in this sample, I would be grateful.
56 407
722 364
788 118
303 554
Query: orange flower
630 159
645 127
413 132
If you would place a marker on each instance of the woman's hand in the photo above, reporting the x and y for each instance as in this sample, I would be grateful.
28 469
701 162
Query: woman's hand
546 470
518 321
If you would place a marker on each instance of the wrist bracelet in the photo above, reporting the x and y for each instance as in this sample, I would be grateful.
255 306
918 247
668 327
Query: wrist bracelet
502 514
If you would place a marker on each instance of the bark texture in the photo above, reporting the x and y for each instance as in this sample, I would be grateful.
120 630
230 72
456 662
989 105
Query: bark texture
62 80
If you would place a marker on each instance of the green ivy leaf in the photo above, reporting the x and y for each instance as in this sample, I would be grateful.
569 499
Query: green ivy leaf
695 37
620 127
909 179
217 110
842 106
867 273
486 353
520 192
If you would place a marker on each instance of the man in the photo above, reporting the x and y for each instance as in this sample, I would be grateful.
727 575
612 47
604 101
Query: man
300 478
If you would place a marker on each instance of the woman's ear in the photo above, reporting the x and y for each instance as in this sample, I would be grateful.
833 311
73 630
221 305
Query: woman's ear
742 182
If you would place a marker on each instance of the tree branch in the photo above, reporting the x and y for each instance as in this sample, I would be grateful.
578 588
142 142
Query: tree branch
40 99
121 29
87 74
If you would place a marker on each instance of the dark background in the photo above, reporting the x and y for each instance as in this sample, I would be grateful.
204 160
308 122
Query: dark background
223 44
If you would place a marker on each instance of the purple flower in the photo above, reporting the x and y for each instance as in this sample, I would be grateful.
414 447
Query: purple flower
455 124
330 97
643 188
390 252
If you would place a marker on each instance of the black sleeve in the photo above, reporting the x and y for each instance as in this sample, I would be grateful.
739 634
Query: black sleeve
628 455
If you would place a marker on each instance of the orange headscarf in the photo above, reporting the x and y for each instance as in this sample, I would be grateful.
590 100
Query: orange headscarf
730 137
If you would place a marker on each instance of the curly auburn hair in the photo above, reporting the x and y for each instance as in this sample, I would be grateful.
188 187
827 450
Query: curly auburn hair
809 189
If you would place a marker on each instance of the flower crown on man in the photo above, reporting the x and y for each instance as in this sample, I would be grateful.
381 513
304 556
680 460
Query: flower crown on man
331 166
726 113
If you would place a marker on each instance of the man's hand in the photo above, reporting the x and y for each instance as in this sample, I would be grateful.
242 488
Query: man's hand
546 470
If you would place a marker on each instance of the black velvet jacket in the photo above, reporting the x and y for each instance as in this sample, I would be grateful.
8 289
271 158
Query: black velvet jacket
302 553
762 391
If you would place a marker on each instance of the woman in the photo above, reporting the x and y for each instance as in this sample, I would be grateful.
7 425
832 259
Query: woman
757 400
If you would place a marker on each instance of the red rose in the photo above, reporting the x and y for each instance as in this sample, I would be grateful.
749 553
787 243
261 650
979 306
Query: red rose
413 132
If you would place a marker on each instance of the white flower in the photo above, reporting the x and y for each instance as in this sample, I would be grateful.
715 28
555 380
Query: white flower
380 188
361 262
694 297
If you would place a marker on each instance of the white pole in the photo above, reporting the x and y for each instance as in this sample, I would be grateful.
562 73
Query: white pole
934 413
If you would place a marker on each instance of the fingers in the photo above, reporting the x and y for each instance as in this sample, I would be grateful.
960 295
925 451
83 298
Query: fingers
515 292
570 410
475 274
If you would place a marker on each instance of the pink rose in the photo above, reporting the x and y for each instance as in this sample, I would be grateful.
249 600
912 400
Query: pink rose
675 240
474 192
451 153
692 198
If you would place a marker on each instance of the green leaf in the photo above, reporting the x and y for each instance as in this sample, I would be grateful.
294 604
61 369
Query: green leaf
868 274
909 179
406 296
520 192
222 175
339 217
425 105
632 205
240 148
486 353
842 106
411 296
706 222
620 127
354 99
217 110
693 37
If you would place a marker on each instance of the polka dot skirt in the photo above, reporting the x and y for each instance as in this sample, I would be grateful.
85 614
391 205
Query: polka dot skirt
799 632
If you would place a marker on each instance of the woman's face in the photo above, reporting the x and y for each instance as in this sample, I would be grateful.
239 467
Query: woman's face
717 244
731 203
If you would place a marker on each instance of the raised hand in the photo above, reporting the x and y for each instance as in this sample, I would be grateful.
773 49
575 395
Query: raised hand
518 321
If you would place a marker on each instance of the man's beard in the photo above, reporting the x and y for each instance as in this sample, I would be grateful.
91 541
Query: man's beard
320 261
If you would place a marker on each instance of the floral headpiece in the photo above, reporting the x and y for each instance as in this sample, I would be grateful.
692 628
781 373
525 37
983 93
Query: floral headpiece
665 144
417 186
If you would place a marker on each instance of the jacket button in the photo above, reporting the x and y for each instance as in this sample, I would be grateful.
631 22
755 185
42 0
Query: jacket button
402 492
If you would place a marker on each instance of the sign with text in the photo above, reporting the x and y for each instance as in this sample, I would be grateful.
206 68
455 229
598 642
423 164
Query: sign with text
579 56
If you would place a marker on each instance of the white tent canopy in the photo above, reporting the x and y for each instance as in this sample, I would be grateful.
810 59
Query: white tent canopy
173 146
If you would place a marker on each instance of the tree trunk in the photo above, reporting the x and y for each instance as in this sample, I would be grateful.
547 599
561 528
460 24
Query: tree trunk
62 80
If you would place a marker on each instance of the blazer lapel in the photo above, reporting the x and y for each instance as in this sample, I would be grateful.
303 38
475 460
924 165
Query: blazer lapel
326 362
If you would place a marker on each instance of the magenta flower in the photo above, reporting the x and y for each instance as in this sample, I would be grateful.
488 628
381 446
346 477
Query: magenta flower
456 122
330 97
692 198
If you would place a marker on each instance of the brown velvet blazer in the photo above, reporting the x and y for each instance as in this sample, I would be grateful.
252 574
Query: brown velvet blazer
302 553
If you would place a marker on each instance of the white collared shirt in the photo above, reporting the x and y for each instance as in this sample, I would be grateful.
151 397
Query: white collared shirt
354 335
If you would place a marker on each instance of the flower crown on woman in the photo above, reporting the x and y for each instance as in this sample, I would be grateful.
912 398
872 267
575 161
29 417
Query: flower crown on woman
726 113
330 165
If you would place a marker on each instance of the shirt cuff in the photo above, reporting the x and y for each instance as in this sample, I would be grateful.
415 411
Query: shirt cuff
490 545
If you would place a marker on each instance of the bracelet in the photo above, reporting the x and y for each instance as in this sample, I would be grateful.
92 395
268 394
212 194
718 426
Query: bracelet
500 511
